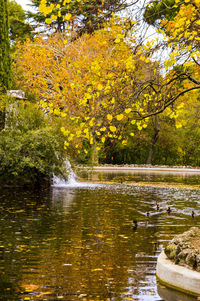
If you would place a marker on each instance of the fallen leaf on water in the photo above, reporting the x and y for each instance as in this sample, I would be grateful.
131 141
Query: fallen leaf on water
45 293
30 287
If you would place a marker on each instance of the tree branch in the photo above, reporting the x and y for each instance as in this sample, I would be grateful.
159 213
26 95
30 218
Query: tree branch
168 103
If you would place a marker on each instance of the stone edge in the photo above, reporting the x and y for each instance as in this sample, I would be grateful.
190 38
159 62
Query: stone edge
177 277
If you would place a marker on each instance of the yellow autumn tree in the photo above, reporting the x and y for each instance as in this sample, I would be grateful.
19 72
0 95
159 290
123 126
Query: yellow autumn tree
93 83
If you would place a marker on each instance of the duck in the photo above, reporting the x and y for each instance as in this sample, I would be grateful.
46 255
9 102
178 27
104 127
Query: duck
137 224
148 213
157 206
168 210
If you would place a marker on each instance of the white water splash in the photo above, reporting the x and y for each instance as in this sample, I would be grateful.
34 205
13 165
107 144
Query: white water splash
72 179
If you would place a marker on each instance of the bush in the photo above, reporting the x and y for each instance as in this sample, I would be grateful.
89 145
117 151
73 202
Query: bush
30 149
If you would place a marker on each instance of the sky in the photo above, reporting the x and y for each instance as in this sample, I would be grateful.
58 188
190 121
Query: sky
24 3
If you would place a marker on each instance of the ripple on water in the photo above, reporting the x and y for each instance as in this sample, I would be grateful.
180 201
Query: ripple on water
79 242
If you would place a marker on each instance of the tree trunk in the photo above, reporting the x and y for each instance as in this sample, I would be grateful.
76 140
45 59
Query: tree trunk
153 140
94 153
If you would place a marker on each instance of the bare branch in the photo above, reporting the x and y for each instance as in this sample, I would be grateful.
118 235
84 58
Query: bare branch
168 103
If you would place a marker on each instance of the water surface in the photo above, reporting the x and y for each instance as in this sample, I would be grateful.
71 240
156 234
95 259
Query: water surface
80 244
145 176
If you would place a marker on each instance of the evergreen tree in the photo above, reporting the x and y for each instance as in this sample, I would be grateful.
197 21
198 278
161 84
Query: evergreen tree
88 15
19 29
5 60
159 10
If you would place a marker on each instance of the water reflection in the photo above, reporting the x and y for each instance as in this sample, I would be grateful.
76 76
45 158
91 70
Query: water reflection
168 294
80 243
151 176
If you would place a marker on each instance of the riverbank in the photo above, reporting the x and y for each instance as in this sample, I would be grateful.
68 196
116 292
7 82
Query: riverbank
145 168
134 175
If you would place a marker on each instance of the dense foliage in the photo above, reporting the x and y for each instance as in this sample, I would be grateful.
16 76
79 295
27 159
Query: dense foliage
30 149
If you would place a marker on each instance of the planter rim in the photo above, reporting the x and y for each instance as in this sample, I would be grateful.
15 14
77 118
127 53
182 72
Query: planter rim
177 277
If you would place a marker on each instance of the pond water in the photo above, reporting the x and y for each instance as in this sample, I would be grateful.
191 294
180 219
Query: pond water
79 243
151 176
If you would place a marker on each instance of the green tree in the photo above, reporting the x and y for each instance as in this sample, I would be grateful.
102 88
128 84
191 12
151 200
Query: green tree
159 10
19 29
5 60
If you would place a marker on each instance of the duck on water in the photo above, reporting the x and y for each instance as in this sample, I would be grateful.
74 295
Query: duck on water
137 224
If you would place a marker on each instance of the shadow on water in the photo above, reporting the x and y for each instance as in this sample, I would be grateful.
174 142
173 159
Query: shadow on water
79 243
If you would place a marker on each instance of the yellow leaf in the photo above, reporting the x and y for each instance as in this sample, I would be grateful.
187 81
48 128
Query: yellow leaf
53 17
68 16
109 117
100 87
103 139
63 114
127 111
119 117
30 287
124 142
48 21
91 123
57 112
66 1
113 128
117 40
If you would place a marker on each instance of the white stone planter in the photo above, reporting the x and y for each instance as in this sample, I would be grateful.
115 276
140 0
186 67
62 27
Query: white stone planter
178 277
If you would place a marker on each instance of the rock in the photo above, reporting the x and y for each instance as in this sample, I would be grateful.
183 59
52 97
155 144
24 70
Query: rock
170 251
198 263
16 93
184 249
